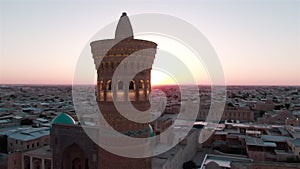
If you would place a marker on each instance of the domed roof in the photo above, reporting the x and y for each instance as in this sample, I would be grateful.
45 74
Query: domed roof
63 118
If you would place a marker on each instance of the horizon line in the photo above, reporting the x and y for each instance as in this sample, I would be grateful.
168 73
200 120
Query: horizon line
83 84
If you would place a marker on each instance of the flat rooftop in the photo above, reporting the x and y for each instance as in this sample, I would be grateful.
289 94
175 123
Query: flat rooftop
222 161
296 142
271 138
44 152
25 134
258 142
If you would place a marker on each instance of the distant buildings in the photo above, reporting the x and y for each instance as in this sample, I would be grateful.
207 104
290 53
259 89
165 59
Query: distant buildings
257 142
261 146
9 121
230 113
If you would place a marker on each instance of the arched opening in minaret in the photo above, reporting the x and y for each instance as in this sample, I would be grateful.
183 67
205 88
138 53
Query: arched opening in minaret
131 85
120 92
141 90
132 92
108 85
108 91
120 85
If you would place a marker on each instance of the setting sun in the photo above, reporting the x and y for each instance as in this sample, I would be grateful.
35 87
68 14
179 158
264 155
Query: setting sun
161 78
185 66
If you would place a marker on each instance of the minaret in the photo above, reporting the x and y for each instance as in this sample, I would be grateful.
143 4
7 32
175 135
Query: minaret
108 55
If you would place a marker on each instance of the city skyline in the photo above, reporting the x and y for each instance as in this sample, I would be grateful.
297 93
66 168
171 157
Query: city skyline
257 42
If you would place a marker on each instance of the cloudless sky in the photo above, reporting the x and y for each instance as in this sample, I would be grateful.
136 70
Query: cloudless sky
257 41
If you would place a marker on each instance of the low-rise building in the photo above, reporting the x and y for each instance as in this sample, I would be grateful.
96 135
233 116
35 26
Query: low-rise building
263 165
212 161
24 139
175 157
295 146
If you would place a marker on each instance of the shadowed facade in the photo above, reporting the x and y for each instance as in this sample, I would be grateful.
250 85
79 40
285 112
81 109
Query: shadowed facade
108 55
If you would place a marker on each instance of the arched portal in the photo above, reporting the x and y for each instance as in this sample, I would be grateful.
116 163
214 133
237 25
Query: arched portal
37 164
73 157
76 163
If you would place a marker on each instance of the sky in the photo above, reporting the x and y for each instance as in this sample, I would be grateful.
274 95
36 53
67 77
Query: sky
257 41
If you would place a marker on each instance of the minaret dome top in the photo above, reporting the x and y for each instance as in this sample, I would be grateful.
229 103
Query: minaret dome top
124 28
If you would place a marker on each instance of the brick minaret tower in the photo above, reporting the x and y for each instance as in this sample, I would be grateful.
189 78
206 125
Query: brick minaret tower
108 54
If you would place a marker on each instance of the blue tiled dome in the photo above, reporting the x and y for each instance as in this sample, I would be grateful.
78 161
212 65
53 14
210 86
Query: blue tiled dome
63 118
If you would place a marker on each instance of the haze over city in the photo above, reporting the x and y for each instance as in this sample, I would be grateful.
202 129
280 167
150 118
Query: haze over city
150 84
257 41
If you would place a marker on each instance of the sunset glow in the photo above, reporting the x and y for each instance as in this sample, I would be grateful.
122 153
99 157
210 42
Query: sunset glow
257 42
161 78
